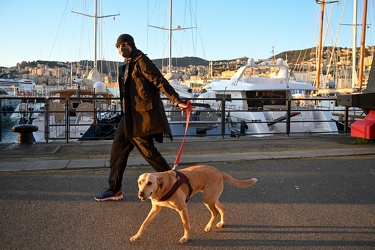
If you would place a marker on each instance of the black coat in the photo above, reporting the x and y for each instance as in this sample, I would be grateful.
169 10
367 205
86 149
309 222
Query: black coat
140 88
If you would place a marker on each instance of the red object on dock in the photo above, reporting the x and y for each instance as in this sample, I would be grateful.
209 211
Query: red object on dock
364 128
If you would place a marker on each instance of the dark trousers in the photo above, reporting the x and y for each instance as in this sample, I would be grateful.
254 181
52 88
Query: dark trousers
121 148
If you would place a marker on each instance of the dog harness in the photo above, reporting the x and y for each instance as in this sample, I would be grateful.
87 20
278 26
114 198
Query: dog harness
181 178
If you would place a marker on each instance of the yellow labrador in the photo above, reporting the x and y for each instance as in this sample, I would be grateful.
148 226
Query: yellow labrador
172 189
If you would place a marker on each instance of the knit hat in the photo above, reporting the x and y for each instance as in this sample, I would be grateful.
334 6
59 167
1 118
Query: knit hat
126 38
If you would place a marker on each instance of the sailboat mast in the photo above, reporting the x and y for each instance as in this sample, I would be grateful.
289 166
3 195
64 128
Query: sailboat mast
95 32
354 49
170 39
319 61
94 74
362 43
320 47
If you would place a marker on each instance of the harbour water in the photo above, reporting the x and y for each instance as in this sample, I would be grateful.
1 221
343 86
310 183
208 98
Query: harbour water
7 135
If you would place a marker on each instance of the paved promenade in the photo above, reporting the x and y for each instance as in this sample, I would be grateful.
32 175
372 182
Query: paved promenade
95 154
314 192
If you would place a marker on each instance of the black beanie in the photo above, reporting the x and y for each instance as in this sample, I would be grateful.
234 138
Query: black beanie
126 38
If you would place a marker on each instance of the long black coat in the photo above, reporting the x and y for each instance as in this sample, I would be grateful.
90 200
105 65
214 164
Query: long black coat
140 88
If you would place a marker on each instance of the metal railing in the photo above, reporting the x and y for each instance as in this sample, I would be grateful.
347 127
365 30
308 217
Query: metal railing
65 123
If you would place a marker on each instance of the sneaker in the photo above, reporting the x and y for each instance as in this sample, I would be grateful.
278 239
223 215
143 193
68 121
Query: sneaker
109 195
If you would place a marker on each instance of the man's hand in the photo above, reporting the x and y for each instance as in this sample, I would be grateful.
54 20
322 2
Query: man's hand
184 106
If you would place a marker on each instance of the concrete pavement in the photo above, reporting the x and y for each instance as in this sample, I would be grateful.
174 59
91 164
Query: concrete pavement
201 150
324 202
316 203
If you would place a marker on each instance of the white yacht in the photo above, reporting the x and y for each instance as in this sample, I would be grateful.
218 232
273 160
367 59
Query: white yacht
8 106
256 102
16 86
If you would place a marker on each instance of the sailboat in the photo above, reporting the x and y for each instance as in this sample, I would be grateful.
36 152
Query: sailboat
204 121
87 118
105 124
331 96
183 91
347 80
363 128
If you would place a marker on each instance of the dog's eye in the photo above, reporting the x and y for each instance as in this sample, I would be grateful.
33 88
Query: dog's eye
149 183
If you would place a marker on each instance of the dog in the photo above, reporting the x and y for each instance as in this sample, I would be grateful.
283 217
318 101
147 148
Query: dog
173 188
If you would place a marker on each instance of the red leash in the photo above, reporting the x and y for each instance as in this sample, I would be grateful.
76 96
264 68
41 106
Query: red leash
188 112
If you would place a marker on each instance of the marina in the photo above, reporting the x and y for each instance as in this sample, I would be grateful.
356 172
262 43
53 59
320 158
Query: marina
235 98
311 147
66 124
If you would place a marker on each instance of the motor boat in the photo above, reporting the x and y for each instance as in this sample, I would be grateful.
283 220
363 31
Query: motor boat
8 106
259 101
17 86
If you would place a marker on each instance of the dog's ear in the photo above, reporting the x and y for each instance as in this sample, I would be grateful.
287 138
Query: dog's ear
160 182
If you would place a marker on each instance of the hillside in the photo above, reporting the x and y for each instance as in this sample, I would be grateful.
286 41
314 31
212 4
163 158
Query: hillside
293 57
181 62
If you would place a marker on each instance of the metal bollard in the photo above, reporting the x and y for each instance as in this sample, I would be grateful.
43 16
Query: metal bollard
25 133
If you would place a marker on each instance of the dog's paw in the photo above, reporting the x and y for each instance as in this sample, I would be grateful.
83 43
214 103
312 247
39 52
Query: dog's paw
134 238
220 224
207 228
183 240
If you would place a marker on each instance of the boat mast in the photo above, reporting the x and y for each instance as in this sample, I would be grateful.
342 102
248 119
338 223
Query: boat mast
170 34
170 38
320 47
354 49
362 55
95 32
94 72
319 61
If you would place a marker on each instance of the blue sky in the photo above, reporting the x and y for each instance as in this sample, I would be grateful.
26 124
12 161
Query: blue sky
225 29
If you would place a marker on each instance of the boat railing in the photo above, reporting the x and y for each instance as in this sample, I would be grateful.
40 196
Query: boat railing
57 119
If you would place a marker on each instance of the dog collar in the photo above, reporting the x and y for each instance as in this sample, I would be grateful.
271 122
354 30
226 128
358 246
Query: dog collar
181 178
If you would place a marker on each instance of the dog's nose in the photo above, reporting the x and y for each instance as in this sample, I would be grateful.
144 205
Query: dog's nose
141 194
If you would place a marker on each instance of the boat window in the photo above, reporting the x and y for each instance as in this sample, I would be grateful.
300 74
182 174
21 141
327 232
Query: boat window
260 98
265 71
222 96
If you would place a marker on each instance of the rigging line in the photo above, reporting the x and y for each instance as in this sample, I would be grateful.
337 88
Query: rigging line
73 45
117 9
183 25
58 30
194 23
148 20
337 36
188 9
303 53
182 35
81 38
371 17
148 7
199 31
165 45
152 12
328 26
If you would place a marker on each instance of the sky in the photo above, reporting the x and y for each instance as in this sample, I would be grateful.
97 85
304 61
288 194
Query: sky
216 29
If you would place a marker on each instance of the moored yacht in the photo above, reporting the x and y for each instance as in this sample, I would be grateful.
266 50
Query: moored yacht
258 97
8 106
16 86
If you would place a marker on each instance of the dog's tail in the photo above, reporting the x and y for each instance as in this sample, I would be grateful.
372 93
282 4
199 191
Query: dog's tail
239 183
